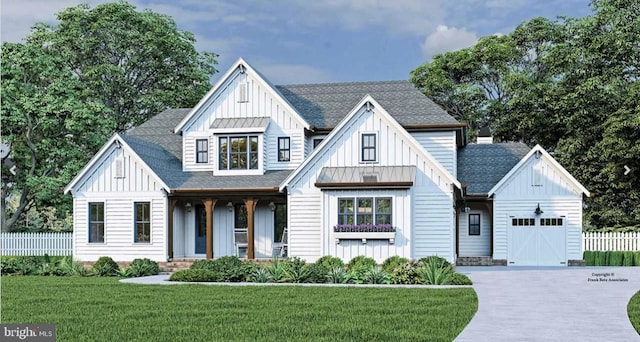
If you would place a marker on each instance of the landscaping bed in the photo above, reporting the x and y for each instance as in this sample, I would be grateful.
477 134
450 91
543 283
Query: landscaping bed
633 310
101 309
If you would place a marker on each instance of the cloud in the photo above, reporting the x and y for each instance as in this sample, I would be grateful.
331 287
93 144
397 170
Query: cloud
445 39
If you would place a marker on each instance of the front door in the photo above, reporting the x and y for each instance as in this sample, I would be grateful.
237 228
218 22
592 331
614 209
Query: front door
201 230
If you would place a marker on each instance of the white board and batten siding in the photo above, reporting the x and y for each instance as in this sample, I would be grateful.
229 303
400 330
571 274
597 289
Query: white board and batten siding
474 245
102 185
538 182
311 216
260 101
442 146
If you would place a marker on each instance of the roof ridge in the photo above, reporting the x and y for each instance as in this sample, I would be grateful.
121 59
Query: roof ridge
340 83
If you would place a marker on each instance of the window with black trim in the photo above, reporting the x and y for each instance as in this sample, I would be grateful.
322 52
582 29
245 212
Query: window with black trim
368 143
96 222
345 211
142 222
279 221
202 150
284 149
523 222
474 224
238 152
554 222
240 216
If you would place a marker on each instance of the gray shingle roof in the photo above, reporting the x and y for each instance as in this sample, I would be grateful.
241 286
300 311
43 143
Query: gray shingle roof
482 166
324 105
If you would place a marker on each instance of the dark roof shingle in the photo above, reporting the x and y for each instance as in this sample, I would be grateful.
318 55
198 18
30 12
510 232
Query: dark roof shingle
482 166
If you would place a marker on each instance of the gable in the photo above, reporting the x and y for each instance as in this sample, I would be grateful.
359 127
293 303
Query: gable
396 147
538 175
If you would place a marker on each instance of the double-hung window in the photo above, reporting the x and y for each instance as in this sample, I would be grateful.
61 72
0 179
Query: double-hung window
368 151
142 222
284 149
202 151
238 152
96 222
474 224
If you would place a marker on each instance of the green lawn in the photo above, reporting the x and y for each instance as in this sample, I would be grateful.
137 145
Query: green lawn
101 309
633 310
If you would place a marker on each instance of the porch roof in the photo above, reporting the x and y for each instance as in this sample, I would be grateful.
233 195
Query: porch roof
366 176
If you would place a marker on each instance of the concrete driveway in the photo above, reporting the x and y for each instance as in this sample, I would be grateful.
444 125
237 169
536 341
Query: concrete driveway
552 304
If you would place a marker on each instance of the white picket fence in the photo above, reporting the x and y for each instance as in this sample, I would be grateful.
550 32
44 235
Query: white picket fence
36 244
610 241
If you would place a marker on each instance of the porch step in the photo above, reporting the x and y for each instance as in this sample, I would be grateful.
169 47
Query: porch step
176 265
475 261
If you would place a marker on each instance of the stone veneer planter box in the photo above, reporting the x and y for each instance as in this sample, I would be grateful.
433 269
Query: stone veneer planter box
364 236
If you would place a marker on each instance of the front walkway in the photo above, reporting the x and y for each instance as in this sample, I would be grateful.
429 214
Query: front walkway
552 304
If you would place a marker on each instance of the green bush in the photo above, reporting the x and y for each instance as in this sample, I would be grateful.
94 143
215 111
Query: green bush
393 262
435 271
377 276
105 267
614 258
636 258
600 258
248 268
359 274
338 275
296 271
277 271
589 258
50 269
439 260
330 262
260 275
317 273
459 279
406 274
195 275
226 268
73 267
627 258
361 261
142 268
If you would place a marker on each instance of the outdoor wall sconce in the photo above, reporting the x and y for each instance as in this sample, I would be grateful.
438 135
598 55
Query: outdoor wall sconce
118 144
188 207
538 210
538 154
272 206
230 206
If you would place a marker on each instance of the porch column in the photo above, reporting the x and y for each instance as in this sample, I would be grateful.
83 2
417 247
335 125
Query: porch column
172 206
250 203
209 203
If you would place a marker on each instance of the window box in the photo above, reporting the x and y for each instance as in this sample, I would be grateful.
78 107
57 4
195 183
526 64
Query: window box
364 232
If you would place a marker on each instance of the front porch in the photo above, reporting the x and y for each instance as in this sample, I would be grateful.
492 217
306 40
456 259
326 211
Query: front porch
214 225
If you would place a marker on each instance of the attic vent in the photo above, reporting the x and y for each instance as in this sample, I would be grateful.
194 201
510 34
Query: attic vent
119 168
369 178
243 92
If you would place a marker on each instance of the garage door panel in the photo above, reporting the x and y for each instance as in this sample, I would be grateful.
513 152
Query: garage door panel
537 242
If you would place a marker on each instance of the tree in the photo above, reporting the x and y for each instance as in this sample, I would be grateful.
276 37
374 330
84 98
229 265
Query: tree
138 63
51 124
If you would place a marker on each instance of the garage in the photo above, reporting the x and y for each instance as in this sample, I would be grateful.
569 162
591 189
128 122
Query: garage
537 241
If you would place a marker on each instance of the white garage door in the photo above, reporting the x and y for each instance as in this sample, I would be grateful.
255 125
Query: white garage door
537 241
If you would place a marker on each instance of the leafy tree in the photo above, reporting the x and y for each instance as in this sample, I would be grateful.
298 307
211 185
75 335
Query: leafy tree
51 124
138 63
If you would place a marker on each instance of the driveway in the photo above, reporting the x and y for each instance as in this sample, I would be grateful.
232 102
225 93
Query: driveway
552 304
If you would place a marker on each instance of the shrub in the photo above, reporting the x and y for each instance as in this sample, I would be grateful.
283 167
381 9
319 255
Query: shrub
317 273
435 272
636 258
142 267
195 275
9 265
589 258
248 268
277 271
338 275
614 258
260 275
330 262
359 274
393 262
378 276
72 267
459 279
105 267
439 260
49 269
600 258
226 268
627 258
296 271
361 261
406 274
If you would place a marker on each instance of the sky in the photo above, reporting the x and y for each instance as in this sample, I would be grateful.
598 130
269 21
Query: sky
317 41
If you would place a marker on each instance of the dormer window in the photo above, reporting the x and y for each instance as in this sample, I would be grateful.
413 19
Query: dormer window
238 152
202 151
284 149
368 148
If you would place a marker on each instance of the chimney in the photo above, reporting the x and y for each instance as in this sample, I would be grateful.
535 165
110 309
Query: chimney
484 136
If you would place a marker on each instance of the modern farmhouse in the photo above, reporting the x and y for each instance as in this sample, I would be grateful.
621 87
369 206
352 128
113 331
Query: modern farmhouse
342 169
